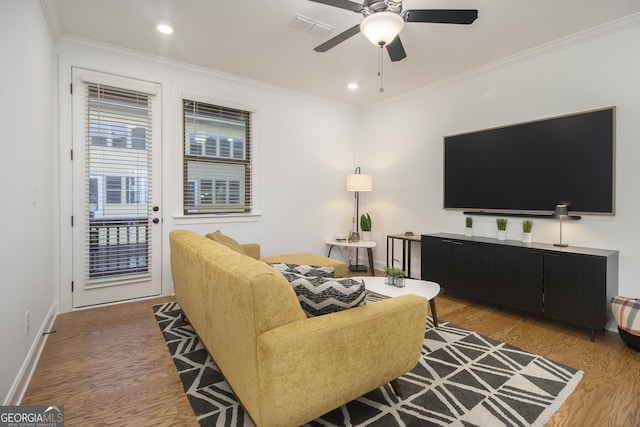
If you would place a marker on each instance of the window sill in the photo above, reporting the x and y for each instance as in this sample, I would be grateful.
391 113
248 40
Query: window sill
215 218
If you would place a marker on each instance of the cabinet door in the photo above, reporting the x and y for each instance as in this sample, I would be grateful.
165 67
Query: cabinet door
575 289
519 279
474 271
436 259
459 266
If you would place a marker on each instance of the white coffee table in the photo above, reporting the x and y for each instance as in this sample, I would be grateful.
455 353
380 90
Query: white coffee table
423 288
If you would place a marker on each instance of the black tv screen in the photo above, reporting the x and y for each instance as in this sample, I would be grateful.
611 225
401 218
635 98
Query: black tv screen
531 167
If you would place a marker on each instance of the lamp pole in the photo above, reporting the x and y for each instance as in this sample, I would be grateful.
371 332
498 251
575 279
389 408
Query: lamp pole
358 182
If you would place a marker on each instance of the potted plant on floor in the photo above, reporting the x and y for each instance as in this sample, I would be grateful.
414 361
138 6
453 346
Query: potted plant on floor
365 226
394 276
502 228
527 225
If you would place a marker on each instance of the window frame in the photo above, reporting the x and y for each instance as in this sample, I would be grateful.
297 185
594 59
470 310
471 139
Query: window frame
216 151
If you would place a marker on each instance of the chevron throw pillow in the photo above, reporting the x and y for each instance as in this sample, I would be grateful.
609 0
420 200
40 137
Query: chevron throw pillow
324 295
305 270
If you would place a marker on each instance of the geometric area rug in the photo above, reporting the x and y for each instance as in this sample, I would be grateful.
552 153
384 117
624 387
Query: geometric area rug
462 379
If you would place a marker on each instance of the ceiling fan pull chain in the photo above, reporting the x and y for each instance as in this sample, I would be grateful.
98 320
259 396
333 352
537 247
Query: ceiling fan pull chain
380 69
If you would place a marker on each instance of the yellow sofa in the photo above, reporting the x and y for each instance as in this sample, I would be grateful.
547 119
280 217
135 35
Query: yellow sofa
287 369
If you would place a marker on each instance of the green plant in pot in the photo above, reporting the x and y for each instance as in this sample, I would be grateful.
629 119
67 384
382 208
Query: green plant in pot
395 276
365 222
527 225
365 226
468 230
502 228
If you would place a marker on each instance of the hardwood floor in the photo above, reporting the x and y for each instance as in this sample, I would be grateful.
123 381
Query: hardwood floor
110 366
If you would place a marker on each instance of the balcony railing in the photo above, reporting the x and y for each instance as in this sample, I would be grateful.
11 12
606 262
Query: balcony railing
118 247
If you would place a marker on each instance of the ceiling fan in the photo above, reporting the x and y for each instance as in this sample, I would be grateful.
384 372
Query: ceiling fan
384 20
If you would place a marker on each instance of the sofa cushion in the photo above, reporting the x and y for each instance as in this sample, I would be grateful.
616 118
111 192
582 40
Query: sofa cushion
324 295
229 242
305 270
305 258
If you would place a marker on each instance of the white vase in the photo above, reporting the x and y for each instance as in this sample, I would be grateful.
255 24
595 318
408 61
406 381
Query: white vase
468 231
366 235
526 237
502 235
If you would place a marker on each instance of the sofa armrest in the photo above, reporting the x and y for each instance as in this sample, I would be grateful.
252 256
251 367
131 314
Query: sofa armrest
312 366
252 249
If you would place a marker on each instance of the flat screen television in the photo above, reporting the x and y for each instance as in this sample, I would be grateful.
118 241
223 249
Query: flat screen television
532 167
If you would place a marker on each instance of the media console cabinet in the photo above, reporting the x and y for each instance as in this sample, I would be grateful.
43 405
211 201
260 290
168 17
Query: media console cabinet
570 284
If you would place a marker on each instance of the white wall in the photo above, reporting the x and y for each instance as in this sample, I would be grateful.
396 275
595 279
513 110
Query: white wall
402 141
26 167
304 148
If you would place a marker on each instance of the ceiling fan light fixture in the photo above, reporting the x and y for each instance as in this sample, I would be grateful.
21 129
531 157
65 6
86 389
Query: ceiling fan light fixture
382 27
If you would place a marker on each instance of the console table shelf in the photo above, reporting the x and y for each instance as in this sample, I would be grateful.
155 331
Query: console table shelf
571 284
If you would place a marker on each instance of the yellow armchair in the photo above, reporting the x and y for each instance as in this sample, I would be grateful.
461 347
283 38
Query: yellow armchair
304 258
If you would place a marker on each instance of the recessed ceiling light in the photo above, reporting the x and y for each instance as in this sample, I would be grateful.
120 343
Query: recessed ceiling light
165 29
352 86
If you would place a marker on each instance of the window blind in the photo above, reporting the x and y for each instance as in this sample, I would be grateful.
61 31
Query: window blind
118 190
217 159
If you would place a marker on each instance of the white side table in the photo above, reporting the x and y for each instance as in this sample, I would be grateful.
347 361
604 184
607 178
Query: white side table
362 244
423 288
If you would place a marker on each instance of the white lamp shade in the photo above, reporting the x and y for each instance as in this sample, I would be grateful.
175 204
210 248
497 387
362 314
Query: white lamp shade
382 27
359 182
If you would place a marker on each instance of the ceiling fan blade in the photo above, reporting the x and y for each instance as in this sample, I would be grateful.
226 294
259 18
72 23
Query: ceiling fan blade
441 16
338 39
396 50
342 4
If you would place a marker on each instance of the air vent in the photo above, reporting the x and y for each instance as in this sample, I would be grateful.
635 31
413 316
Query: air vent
309 25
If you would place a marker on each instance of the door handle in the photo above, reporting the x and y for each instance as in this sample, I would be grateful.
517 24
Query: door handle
155 220
155 209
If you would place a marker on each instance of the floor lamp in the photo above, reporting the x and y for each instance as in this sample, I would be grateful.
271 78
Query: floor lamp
358 182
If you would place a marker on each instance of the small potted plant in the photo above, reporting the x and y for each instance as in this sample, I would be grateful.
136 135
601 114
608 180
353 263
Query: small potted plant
365 226
527 225
502 228
395 276
468 230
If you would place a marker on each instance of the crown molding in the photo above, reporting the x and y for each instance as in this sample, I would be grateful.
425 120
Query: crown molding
51 15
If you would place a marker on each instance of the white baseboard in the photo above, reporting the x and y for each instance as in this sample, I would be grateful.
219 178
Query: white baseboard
19 387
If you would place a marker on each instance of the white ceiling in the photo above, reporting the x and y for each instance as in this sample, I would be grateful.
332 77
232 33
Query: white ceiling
253 38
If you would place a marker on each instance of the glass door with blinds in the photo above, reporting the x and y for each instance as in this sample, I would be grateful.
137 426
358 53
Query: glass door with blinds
116 199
